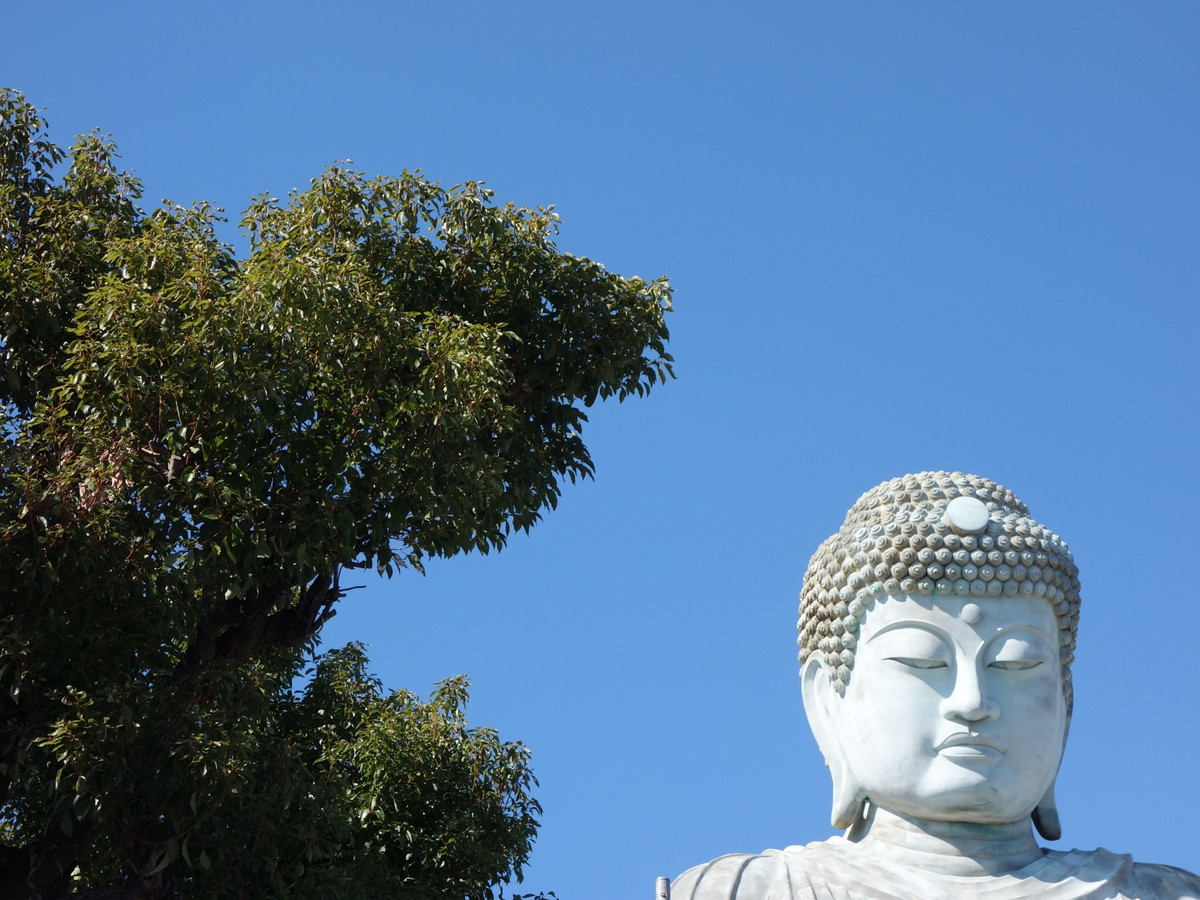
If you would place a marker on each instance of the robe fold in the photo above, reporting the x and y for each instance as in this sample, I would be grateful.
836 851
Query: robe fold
837 869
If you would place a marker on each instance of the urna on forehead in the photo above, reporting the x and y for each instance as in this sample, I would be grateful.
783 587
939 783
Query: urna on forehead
932 533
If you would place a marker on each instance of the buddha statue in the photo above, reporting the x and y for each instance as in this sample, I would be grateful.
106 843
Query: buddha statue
937 630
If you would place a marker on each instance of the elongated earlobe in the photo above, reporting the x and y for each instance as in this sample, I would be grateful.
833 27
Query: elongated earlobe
848 798
1045 816
819 697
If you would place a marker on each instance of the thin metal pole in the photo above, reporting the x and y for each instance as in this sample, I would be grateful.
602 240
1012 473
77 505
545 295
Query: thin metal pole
662 889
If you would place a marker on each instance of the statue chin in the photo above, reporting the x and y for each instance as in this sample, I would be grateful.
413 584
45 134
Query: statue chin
937 631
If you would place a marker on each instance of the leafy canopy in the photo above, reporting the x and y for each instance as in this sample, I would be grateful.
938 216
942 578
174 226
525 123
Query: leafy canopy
194 446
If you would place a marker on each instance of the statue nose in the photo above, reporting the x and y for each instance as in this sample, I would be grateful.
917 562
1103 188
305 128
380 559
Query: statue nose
968 702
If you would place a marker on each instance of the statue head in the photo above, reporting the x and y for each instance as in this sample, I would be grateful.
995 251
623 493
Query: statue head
937 628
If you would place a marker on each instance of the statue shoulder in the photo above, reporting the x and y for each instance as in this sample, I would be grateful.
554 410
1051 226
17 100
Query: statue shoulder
770 875
825 869
1157 882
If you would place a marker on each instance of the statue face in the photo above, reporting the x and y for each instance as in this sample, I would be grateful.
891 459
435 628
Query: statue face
955 709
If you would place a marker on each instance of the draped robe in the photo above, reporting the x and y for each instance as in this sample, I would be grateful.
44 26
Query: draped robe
837 869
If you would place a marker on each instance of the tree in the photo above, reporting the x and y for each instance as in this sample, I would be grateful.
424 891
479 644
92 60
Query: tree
196 446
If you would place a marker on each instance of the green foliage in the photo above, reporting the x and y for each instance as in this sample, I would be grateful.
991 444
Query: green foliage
417 783
194 447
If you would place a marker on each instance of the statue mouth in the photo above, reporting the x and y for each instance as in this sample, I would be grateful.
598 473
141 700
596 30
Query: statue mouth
967 745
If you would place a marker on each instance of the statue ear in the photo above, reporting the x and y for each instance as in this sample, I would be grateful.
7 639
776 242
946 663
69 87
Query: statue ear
1045 816
820 705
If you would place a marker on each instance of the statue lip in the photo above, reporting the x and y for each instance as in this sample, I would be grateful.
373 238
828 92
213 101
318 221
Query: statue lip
971 744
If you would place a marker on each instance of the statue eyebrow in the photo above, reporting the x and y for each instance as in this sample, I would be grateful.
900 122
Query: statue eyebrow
938 633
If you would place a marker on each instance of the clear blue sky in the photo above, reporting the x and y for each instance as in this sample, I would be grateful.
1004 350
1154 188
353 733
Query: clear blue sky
903 236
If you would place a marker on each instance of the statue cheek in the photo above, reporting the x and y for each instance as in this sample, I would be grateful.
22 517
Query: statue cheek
1037 721
1045 699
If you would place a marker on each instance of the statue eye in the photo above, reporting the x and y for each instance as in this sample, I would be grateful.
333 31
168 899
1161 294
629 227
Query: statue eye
1018 653
1014 664
916 662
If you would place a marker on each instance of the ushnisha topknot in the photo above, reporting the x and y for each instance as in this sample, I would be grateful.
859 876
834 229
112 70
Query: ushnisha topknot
933 533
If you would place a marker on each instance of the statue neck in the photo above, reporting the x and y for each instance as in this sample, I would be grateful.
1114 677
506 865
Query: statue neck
949 848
